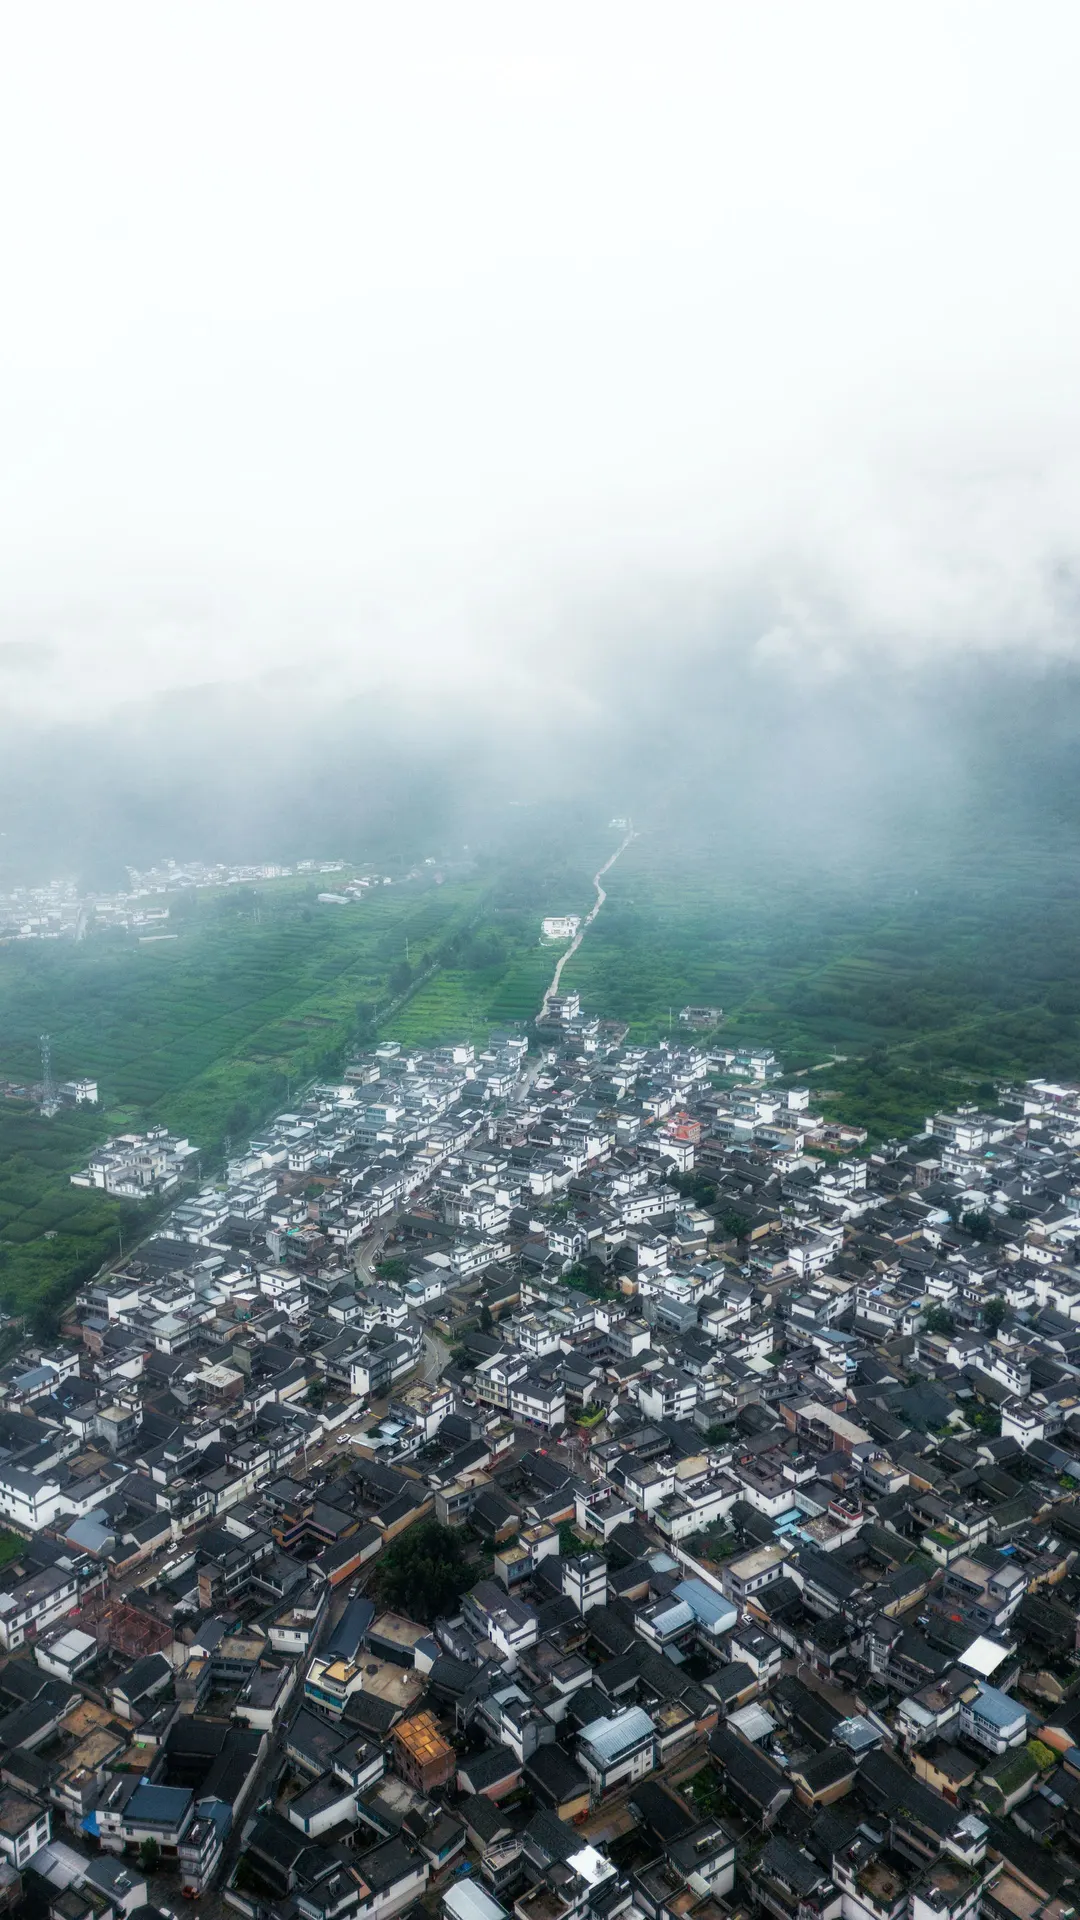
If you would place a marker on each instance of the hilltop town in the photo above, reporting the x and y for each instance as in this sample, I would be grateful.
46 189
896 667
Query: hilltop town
565 1478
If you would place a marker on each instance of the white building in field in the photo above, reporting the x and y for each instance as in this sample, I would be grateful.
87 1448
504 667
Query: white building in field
79 1093
560 926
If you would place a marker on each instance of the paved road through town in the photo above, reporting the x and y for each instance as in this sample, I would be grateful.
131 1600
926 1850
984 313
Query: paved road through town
370 1250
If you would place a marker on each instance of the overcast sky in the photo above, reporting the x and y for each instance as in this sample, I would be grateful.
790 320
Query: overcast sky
342 344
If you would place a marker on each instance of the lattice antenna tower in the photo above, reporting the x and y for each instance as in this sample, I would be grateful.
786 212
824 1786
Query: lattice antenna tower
49 1101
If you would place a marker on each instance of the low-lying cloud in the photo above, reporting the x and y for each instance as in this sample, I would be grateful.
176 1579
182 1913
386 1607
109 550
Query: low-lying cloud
397 374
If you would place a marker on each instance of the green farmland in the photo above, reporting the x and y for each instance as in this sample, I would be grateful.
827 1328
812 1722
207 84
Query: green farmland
894 992
206 1033
210 1032
470 1003
500 975
935 981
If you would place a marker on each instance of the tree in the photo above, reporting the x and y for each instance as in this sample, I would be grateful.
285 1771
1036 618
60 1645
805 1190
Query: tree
706 1793
424 1572
994 1313
694 1186
978 1223
591 1280
939 1320
735 1225
149 1855
44 1322
486 1321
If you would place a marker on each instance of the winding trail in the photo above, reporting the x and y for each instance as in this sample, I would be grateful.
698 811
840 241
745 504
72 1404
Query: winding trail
579 936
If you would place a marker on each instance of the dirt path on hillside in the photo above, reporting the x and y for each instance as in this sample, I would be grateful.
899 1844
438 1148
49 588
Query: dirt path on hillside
579 936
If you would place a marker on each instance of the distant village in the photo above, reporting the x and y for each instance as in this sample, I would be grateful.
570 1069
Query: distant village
756 1446
60 910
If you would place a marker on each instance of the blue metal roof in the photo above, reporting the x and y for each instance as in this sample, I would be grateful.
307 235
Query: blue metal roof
676 1615
158 1806
662 1562
610 1738
997 1708
219 1811
706 1605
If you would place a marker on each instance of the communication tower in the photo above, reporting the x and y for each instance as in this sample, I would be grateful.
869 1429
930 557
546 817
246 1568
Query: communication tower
49 1101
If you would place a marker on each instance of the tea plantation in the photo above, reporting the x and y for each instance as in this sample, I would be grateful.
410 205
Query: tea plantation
208 1033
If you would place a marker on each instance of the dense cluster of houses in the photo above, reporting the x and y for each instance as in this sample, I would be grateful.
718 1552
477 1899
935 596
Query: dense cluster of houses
763 1449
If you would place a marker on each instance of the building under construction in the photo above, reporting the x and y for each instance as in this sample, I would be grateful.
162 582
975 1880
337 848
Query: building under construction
124 1629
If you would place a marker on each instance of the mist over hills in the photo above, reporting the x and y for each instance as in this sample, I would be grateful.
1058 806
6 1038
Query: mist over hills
860 772
616 417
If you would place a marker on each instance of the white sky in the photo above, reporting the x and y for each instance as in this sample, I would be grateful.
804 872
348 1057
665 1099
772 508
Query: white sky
372 341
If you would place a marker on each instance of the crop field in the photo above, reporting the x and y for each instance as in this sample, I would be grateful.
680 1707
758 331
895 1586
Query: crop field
893 992
258 993
682 926
500 975
206 1033
51 1233
470 1004
935 981
229 1012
